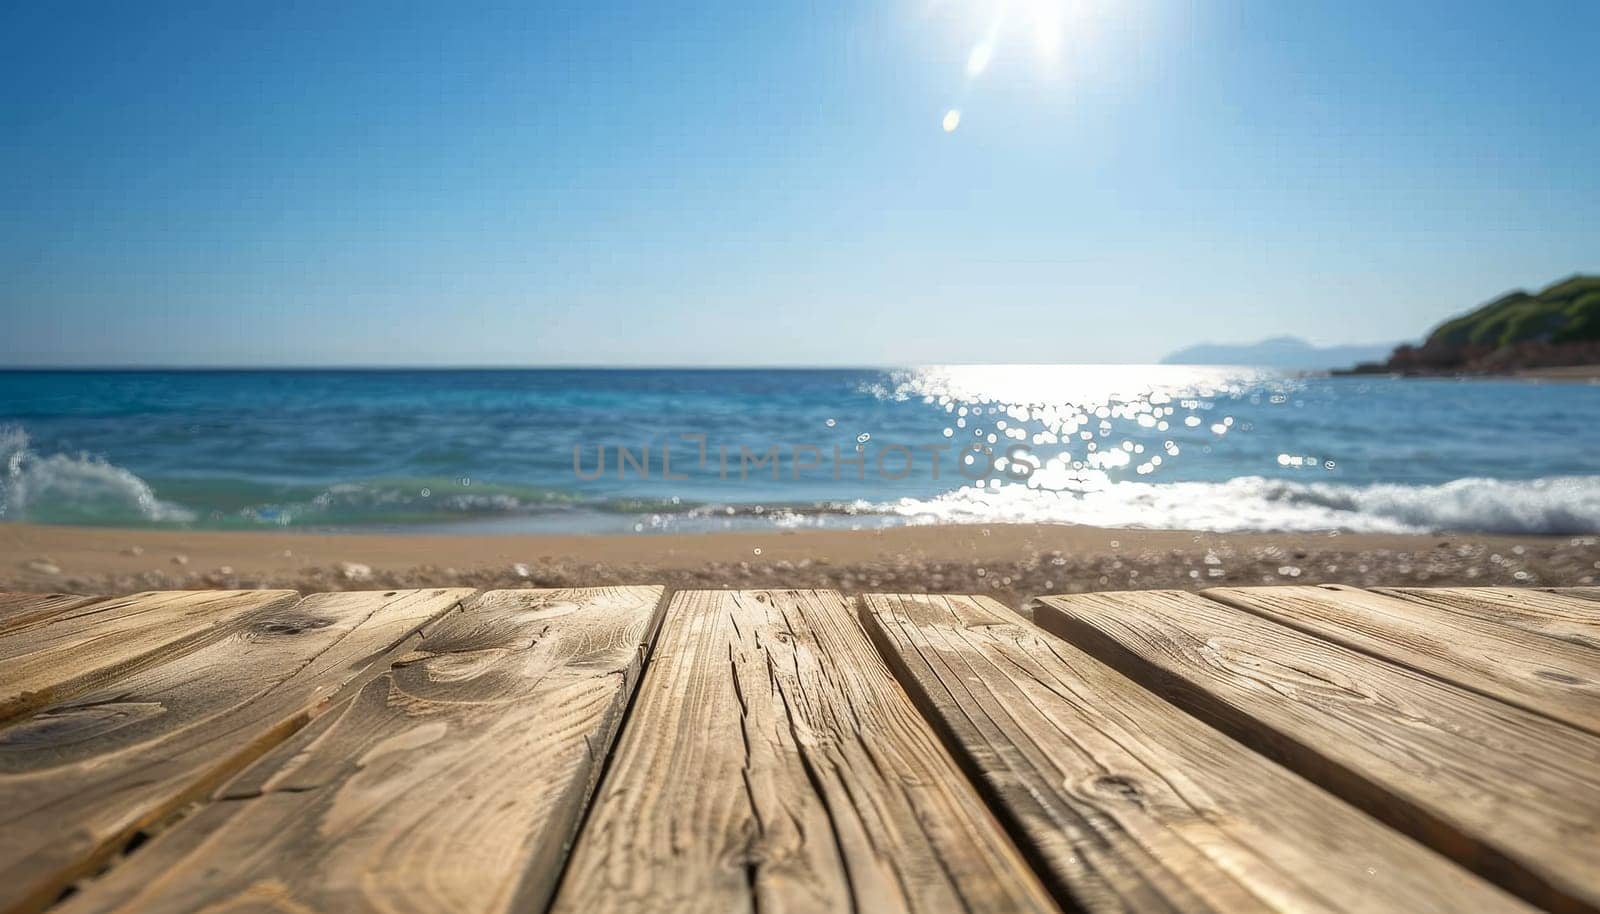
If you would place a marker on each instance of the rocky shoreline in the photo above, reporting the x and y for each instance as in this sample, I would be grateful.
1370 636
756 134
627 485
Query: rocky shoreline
1518 359
1517 334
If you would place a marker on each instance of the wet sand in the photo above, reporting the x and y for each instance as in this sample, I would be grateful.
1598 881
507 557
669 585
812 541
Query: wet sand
1588 374
1010 562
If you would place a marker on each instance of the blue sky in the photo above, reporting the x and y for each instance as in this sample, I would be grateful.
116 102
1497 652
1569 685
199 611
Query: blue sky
769 183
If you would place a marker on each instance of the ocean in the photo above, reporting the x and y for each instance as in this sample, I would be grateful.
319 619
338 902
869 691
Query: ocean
610 451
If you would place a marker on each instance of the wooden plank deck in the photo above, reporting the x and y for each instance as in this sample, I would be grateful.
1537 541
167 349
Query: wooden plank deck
1510 793
607 749
451 782
1548 668
1130 803
772 763
54 655
1567 617
79 780
18 609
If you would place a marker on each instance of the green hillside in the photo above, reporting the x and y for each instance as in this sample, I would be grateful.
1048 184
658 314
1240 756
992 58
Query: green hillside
1566 312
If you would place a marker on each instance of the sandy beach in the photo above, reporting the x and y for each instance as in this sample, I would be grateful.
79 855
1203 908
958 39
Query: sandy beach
1583 374
1010 562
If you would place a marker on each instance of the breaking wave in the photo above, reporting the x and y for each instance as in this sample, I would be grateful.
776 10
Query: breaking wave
1555 506
86 489
67 488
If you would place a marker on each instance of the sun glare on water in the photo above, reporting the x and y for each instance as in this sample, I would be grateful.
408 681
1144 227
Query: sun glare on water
1087 426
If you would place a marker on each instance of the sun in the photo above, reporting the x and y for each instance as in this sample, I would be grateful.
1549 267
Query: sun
1044 22
1012 23
1047 22
1003 29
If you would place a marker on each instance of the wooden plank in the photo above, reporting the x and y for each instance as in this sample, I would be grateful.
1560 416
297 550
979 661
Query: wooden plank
78 780
451 782
1128 803
1510 794
1587 593
57 656
1548 675
772 764
20 609
1567 618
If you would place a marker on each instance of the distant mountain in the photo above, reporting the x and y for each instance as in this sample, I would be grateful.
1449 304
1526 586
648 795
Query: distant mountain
1279 352
1558 327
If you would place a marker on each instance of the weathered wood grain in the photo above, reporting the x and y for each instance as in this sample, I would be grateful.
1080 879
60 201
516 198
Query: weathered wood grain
19 609
1532 669
63 653
1129 804
1587 593
450 782
1510 794
79 779
1564 617
772 764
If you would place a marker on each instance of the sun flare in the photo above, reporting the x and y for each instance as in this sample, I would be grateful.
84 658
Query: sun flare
1002 30
1004 25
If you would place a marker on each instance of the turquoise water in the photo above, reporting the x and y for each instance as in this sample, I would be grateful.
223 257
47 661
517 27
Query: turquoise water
1155 446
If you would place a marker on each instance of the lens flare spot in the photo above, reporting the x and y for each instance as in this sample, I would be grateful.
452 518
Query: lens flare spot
952 120
978 60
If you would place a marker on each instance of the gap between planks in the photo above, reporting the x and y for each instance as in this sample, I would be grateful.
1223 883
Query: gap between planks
1125 802
451 780
80 779
1541 654
244 791
772 763
1510 794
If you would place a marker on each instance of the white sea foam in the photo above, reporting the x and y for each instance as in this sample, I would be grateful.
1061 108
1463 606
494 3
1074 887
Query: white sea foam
73 487
1557 505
